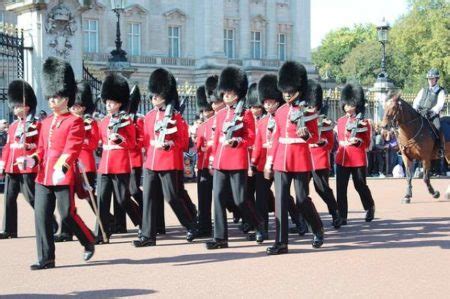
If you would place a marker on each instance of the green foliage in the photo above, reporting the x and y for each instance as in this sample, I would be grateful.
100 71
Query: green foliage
419 40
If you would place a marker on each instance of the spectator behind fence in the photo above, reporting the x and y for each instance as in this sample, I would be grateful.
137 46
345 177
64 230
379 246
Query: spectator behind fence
3 133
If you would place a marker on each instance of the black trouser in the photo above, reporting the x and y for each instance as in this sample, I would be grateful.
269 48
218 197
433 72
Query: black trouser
185 195
359 181
44 208
15 183
91 176
304 203
204 191
262 186
135 183
171 193
119 184
223 180
320 180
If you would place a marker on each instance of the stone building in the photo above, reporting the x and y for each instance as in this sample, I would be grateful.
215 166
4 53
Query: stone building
192 38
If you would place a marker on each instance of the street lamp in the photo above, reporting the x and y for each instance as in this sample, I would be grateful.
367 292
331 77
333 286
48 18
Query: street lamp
118 54
382 31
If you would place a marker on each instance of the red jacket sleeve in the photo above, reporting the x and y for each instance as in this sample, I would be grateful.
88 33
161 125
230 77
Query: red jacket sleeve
257 147
313 130
248 135
275 136
95 136
74 141
5 150
139 133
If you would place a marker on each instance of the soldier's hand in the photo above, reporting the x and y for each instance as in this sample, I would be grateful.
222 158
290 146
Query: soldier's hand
232 142
116 138
167 145
303 132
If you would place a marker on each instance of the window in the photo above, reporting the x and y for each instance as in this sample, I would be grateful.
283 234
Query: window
2 17
134 39
256 45
90 35
282 46
174 42
228 43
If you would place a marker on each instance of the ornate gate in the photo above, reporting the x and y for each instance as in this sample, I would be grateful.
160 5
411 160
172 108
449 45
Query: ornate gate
11 63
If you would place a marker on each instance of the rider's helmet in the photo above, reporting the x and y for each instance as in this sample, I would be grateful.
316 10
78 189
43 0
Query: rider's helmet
433 73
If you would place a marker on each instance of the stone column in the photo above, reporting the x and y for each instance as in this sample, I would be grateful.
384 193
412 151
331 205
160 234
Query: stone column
214 28
51 28
244 30
272 34
301 35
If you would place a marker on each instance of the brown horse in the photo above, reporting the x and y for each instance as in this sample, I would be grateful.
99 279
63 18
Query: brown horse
416 139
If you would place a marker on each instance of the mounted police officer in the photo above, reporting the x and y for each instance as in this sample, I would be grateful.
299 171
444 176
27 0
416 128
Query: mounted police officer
429 103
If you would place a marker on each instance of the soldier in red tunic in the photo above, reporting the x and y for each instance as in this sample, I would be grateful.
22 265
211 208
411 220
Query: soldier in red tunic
19 145
354 135
290 157
118 135
162 144
83 107
320 152
60 143
234 133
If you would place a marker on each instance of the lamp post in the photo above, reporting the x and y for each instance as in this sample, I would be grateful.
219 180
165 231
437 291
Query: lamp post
118 54
382 84
382 32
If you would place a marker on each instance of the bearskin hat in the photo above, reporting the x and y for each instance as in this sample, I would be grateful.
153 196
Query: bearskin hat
115 87
135 100
268 89
292 77
84 97
17 90
353 94
234 79
202 103
161 83
212 94
59 79
314 94
253 96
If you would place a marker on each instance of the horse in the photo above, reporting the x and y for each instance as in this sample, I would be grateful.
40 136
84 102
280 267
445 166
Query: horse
416 138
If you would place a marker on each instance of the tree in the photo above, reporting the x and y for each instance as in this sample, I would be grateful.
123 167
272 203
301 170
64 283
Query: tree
337 45
363 63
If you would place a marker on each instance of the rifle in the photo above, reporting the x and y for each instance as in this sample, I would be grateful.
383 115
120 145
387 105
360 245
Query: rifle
162 126
299 116
355 127
236 123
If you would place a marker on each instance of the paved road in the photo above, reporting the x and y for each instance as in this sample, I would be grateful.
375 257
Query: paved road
405 252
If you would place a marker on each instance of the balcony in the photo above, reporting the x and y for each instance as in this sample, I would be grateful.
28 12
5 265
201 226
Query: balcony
148 60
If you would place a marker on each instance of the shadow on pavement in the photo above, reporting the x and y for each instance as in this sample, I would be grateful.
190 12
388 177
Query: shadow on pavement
113 293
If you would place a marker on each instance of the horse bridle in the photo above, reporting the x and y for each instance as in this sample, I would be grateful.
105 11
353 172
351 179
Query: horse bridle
393 123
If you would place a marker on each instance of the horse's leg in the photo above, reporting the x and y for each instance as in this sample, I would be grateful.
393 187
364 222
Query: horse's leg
426 178
408 167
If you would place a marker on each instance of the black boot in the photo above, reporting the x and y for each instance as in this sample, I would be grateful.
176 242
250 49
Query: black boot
5 235
370 214
89 252
277 248
216 244
337 221
144 242
318 239
43 265
63 238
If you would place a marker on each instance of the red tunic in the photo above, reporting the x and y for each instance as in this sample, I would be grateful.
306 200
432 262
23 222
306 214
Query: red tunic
321 154
263 141
61 137
184 141
157 158
90 145
136 152
14 147
352 155
289 152
116 157
227 157
204 142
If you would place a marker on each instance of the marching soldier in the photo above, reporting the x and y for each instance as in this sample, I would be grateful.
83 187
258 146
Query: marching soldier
235 132
204 178
23 136
59 146
162 143
320 152
290 157
83 107
354 135
118 138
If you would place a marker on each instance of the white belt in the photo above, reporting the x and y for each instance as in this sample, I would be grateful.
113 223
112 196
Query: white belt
16 145
285 140
109 147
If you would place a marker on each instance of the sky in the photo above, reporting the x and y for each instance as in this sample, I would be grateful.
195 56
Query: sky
327 15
